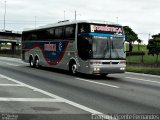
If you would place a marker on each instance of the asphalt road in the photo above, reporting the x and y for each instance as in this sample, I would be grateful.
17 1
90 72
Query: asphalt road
40 90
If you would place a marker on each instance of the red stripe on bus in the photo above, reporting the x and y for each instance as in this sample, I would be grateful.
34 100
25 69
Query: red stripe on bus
47 59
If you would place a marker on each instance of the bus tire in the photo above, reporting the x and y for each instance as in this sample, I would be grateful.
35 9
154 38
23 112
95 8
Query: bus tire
104 75
31 62
73 68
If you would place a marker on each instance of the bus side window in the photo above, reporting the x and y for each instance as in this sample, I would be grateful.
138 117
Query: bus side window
50 33
83 28
34 36
30 36
41 35
24 36
59 33
69 32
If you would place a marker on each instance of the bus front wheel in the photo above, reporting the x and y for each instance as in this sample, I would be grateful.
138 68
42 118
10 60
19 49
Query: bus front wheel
104 75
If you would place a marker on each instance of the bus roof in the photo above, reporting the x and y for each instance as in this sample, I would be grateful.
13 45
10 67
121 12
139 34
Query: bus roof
67 22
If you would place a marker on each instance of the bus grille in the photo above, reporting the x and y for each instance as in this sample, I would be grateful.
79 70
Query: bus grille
110 63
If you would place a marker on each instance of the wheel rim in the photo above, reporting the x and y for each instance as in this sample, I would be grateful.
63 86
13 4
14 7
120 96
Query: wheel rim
31 63
37 63
74 68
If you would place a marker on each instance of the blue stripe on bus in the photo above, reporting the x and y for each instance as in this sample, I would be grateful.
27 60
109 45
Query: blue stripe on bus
101 35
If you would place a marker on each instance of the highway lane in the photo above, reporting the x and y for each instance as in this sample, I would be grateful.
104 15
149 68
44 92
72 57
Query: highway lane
127 93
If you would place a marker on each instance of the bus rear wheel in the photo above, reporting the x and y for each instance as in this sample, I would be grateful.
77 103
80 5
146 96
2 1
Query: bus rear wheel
37 63
31 62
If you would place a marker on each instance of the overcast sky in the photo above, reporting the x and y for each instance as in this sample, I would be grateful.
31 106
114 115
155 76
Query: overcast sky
141 15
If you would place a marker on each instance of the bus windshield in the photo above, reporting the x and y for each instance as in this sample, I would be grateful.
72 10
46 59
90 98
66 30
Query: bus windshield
99 41
108 48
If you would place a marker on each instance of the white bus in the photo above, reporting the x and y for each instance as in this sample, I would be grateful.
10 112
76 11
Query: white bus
91 47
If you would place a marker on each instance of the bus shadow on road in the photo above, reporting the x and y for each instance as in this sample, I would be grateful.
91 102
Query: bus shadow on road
80 75
96 77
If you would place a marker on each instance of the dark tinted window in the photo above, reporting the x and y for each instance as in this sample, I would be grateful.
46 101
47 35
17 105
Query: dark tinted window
70 32
59 33
83 28
45 34
24 35
50 33
41 35
33 36
29 36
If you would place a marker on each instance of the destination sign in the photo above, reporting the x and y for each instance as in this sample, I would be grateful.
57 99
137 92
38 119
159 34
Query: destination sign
106 29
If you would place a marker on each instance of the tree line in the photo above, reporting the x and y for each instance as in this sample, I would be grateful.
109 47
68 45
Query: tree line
153 43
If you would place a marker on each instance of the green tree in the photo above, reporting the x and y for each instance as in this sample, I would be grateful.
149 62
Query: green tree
139 42
157 36
154 46
131 36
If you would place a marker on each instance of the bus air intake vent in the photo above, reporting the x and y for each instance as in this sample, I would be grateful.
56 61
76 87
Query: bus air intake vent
111 63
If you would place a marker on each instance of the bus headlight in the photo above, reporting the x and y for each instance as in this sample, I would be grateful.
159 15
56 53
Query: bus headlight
96 69
123 68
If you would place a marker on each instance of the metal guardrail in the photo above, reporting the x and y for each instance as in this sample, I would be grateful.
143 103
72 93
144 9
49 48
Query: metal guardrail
10 52
144 64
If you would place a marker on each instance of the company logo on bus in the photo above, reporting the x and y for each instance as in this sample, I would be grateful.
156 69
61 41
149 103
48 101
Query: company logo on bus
112 29
60 46
50 47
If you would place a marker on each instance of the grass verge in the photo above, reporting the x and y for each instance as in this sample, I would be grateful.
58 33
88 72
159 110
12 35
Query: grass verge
145 70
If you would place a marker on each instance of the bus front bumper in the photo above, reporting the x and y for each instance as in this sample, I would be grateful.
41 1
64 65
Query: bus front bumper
107 69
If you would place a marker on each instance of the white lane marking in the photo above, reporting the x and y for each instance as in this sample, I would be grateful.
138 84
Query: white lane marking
10 64
10 59
29 100
109 85
87 109
143 80
11 85
142 74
